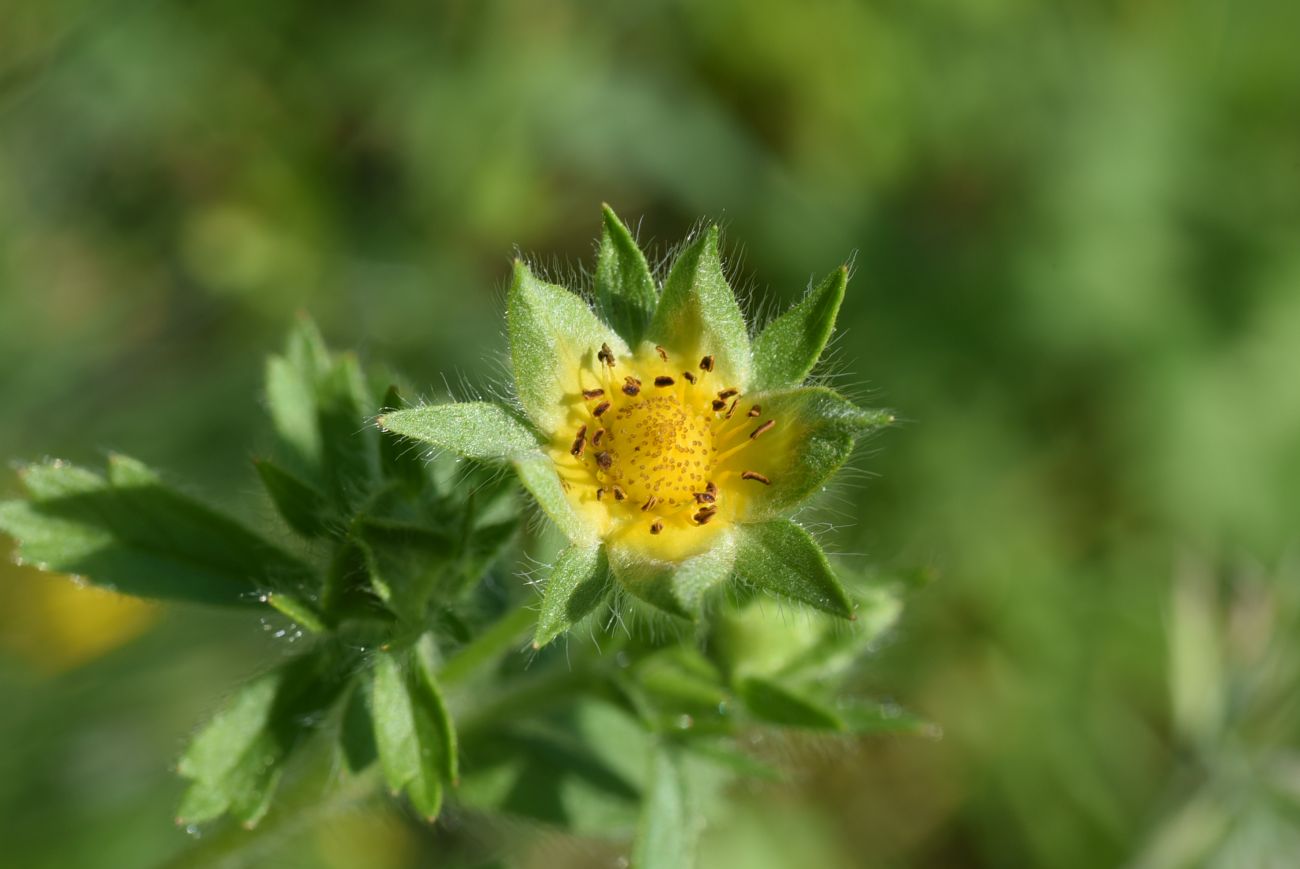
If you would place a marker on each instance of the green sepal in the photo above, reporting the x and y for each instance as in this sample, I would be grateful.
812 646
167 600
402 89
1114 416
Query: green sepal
538 475
131 533
698 311
357 730
579 583
473 429
771 702
304 507
399 459
669 825
816 430
414 734
678 588
625 290
788 348
782 558
552 334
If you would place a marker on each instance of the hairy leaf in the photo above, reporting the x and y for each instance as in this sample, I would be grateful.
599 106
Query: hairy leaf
625 290
781 558
474 429
579 583
789 347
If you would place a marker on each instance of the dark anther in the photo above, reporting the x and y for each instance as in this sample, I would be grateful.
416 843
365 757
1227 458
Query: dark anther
600 493
649 504
727 393
589 394
598 437
663 354
604 459
702 517
664 380
690 378
600 408
606 355
719 404
706 364
619 494
732 409
631 386
755 475
767 426
755 410
704 497
579 443
656 527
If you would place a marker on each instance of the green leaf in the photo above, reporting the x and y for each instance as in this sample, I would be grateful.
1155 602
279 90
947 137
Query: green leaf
538 475
413 732
357 733
781 558
814 435
669 821
318 407
625 290
303 506
552 334
789 347
579 583
399 459
697 312
133 534
405 562
678 588
235 762
474 429
775 704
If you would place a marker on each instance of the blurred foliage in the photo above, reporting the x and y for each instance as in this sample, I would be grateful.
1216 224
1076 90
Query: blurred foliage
1078 278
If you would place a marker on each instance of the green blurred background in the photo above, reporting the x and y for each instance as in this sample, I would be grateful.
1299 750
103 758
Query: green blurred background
1076 229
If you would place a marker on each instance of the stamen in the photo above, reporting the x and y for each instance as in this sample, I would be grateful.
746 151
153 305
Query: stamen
606 355
650 502
703 517
656 527
619 494
663 380
755 410
600 408
706 364
589 394
711 490
727 393
605 460
718 404
579 443
765 427
631 386
755 475
598 437
600 493
663 354
704 497
690 378
732 409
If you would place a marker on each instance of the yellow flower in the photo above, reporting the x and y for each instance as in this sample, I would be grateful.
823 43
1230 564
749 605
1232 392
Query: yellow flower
668 447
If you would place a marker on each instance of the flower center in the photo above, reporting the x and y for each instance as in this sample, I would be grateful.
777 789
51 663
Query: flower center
656 446
659 448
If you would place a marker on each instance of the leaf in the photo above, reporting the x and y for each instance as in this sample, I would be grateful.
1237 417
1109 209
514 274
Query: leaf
678 588
697 312
474 429
781 558
538 475
304 508
318 406
625 290
552 334
405 562
357 733
786 351
669 821
551 775
775 704
399 459
579 583
814 435
235 762
132 534
413 732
